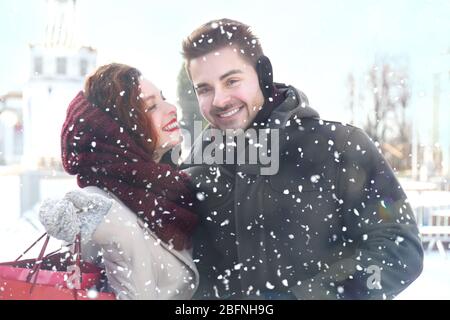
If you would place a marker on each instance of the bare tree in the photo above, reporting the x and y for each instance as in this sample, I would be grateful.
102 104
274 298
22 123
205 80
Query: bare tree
387 93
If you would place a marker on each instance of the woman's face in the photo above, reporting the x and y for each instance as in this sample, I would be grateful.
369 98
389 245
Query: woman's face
162 114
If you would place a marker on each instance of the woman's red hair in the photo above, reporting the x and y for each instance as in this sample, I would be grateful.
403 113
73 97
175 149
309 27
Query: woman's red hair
115 89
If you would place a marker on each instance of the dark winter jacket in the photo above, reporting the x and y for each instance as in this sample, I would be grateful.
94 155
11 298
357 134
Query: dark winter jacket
333 223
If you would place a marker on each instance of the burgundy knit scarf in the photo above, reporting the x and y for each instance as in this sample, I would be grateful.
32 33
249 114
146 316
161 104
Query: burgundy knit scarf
101 153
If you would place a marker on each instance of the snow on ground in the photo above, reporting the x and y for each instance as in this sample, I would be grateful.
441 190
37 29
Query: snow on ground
433 283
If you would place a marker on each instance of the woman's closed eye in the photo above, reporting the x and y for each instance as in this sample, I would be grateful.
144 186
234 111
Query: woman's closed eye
151 108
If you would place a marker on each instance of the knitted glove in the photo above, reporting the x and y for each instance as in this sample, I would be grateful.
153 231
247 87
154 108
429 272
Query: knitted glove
77 212
60 219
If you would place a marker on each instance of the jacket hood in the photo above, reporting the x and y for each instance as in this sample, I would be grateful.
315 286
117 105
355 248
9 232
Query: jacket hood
295 104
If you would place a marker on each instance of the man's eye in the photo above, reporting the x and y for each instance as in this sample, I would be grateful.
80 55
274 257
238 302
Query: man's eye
150 108
231 82
162 96
202 91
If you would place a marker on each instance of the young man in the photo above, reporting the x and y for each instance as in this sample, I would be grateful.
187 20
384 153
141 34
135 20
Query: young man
332 223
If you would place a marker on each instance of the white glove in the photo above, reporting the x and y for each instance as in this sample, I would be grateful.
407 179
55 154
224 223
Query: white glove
60 219
77 212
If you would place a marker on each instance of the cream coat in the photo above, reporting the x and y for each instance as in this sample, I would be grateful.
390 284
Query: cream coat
138 265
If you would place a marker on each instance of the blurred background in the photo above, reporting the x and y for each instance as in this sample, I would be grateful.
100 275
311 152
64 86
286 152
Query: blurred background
381 65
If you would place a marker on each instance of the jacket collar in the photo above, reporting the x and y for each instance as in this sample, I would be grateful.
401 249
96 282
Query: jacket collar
295 104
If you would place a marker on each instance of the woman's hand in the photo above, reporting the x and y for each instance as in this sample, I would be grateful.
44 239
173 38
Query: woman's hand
77 212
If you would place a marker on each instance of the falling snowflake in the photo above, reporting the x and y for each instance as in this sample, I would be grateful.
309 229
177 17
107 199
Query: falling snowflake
269 285
399 239
200 196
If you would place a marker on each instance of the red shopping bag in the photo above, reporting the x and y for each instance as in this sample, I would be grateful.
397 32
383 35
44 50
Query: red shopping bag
56 276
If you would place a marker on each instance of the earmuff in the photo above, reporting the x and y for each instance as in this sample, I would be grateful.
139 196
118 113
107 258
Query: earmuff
265 75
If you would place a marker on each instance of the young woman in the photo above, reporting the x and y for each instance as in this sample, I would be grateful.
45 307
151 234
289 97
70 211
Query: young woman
134 208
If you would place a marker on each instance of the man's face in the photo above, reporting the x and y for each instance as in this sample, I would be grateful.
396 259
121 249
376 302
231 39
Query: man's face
227 89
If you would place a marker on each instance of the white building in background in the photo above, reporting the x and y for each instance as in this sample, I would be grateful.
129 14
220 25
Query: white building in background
58 69
11 128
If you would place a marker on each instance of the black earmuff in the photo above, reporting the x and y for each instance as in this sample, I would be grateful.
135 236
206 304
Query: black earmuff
265 75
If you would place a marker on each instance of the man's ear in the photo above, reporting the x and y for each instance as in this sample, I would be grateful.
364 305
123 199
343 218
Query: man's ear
265 75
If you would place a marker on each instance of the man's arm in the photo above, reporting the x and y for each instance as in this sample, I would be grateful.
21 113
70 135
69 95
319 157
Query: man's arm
379 223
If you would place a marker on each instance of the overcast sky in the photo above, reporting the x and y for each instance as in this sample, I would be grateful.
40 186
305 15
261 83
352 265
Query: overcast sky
312 44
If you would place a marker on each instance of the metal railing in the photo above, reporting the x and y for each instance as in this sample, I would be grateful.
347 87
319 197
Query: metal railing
434 226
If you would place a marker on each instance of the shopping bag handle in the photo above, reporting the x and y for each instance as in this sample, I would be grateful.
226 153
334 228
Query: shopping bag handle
38 262
31 247
37 265
48 255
